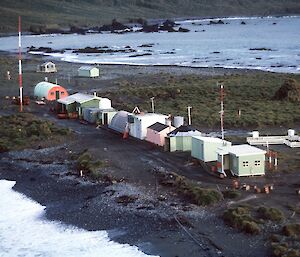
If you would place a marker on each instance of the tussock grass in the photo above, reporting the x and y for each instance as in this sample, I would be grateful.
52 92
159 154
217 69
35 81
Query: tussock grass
240 218
189 190
26 130
253 94
271 214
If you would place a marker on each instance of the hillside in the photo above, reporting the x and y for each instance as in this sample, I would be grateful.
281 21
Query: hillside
56 13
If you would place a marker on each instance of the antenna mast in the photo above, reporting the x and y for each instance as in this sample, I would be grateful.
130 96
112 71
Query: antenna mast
222 109
20 68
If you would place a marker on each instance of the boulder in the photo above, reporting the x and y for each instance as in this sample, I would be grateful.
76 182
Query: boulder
183 30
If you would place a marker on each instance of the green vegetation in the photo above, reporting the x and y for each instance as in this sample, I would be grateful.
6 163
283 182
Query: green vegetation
292 230
92 168
253 94
191 191
284 250
271 214
240 218
231 194
25 130
250 220
55 13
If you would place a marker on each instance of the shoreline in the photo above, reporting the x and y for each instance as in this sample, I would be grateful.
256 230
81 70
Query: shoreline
181 19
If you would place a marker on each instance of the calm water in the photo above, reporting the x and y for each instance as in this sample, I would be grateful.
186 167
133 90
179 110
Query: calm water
24 232
205 45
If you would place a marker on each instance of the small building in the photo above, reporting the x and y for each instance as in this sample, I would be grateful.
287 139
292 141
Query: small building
138 123
119 122
180 139
242 160
205 148
47 67
97 115
77 102
88 71
105 116
157 133
49 91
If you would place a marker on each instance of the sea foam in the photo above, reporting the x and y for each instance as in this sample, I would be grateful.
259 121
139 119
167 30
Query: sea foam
25 232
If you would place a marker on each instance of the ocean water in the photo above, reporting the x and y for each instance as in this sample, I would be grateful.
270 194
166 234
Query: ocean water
24 232
227 45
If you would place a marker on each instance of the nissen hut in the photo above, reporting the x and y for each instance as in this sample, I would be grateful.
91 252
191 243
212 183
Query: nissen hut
49 91
88 71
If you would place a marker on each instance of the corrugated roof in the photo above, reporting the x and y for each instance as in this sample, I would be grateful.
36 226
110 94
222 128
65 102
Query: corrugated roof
78 97
184 131
244 150
87 67
42 88
119 121
158 127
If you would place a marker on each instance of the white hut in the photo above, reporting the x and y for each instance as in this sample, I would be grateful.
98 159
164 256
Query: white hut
88 71
138 123
180 139
46 67
205 148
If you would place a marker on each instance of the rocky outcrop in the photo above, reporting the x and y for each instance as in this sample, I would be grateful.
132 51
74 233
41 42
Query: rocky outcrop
289 91
183 30
219 22
114 26
103 50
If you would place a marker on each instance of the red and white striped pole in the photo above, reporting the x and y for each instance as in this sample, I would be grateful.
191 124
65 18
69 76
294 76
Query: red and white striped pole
20 68
222 110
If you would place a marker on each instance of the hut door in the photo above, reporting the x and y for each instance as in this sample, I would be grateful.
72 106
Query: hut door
167 144
105 118
57 95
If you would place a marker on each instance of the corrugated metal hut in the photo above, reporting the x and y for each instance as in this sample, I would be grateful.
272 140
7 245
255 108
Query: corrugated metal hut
49 91
46 67
77 102
138 123
205 148
242 160
119 121
157 133
88 71
180 139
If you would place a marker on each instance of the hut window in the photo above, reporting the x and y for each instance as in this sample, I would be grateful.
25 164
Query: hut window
52 93
62 93
257 163
245 164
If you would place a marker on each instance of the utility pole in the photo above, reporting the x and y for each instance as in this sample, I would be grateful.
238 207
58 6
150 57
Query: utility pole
189 115
152 104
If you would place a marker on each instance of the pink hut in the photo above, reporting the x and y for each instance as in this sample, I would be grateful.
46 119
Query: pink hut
157 132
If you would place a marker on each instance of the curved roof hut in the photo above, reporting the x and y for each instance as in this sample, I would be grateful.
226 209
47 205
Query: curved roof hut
119 121
49 91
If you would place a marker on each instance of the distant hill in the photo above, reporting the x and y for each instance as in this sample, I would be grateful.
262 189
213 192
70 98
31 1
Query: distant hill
63 13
